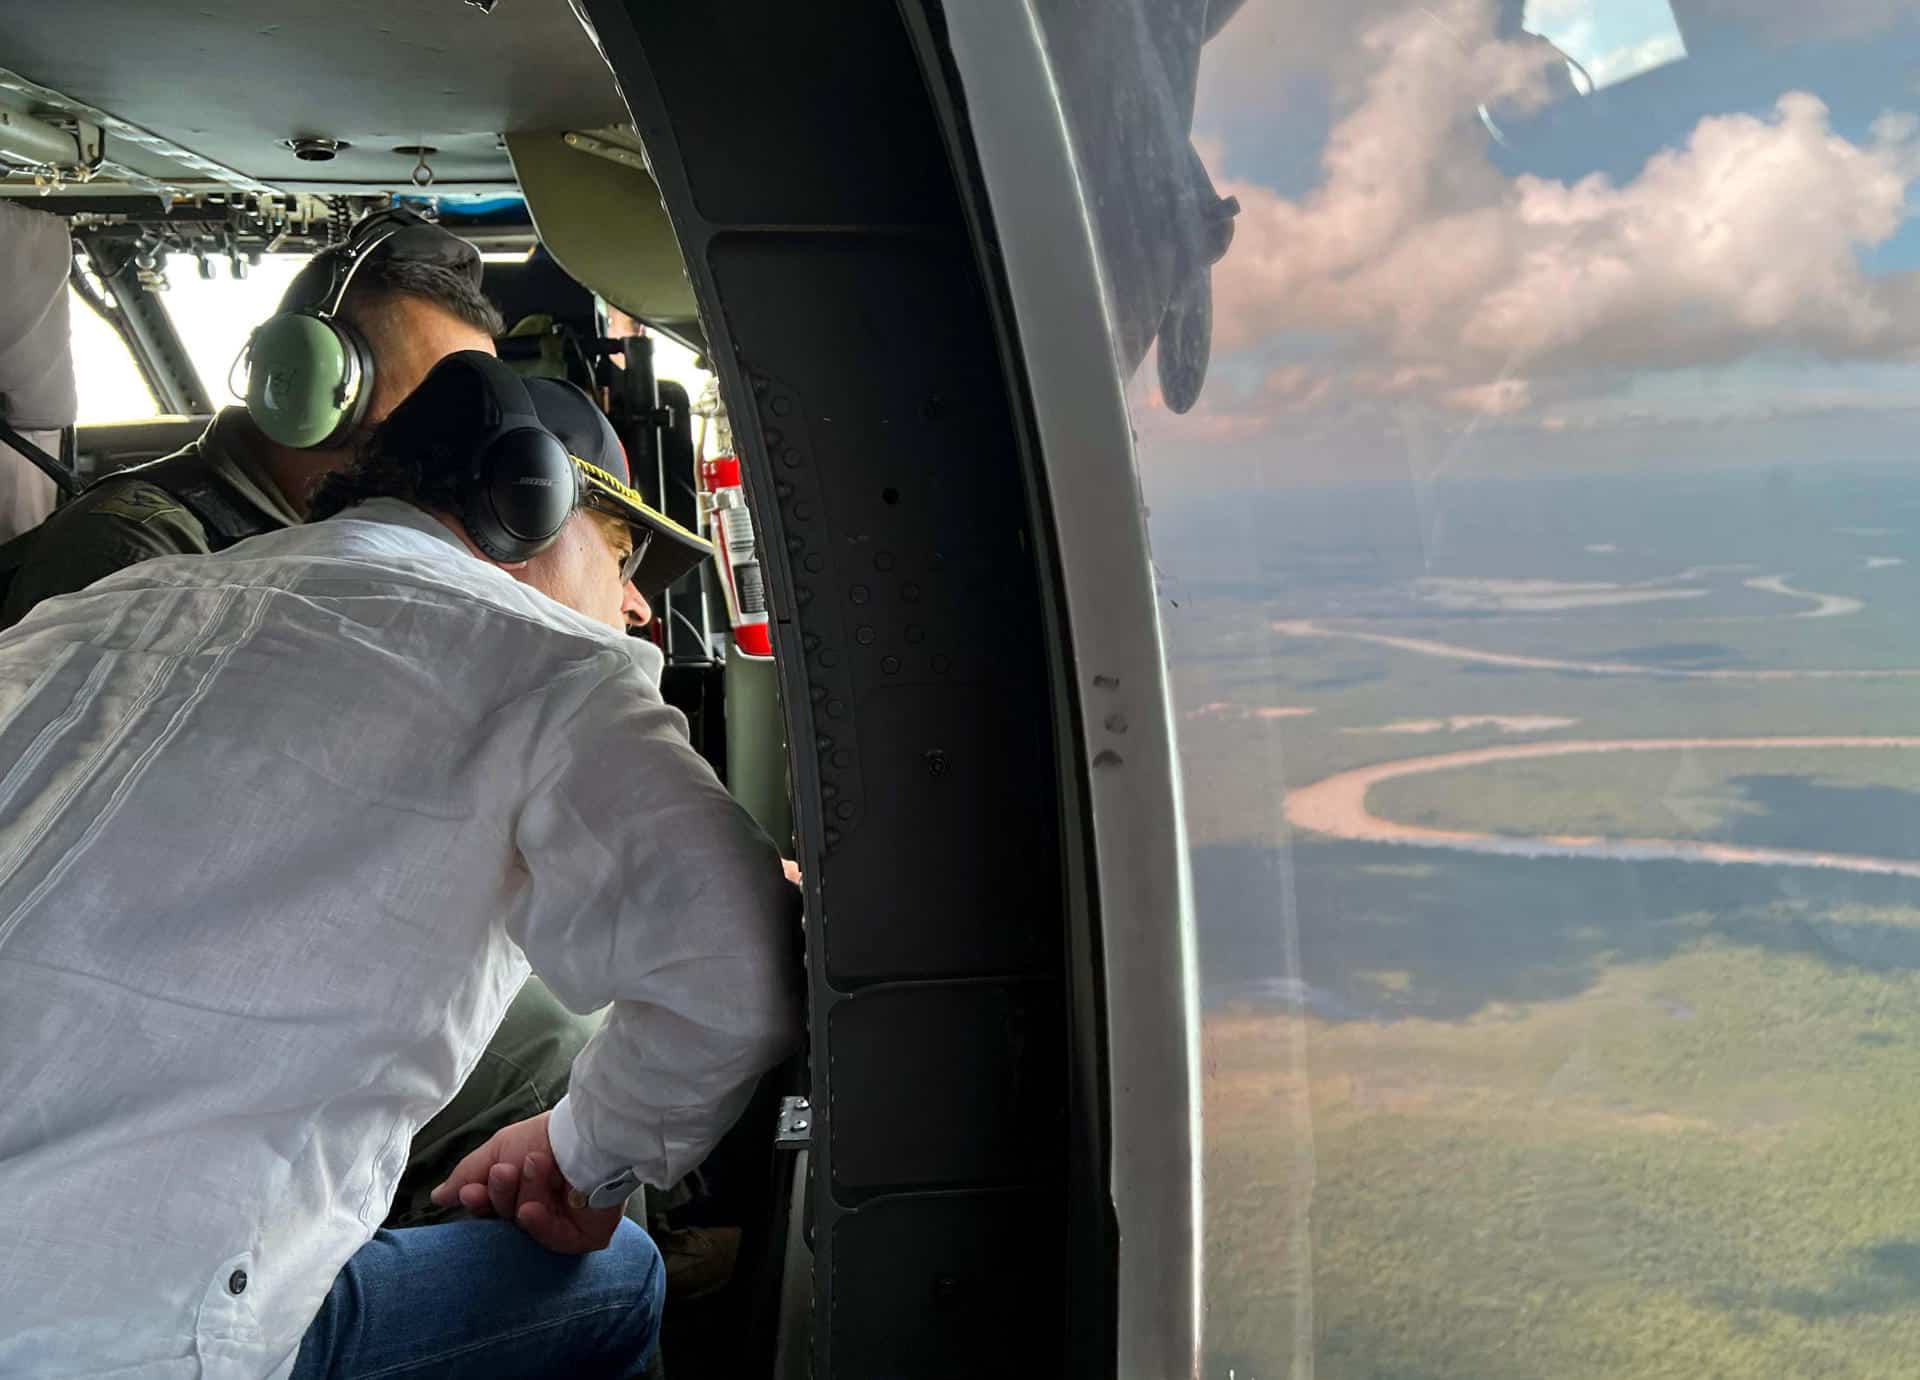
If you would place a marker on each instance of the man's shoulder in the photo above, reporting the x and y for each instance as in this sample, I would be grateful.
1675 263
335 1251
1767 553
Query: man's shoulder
201 493
131 498
131 505
148 495
119 522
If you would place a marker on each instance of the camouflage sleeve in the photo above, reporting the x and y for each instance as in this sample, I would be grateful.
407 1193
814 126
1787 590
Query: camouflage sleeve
108 528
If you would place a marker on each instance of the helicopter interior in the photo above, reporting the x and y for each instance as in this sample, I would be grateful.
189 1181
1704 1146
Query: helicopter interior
961 742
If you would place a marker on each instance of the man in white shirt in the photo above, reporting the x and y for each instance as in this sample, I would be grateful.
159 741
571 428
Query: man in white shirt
281 831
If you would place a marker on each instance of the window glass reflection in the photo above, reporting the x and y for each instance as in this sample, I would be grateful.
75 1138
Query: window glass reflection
1533 495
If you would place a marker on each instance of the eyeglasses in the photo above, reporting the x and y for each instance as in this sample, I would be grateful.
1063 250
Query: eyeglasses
642 537
631 565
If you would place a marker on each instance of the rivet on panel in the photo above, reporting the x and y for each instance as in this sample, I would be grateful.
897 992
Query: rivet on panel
1117 723
916 634
883 561
836 709
829 658
782 406
790 458
859 594
843 759
911 593
941 665
845 809
890 664
865 635
816 563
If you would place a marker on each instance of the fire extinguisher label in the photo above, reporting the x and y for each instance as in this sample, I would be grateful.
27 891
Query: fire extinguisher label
749 588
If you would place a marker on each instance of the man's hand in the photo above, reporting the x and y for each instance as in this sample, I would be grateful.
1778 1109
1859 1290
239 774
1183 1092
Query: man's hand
792 869
514 1176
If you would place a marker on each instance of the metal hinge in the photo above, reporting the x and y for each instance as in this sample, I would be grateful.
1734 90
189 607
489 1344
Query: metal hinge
795 1128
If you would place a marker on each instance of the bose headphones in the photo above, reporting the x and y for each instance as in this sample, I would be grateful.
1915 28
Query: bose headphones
517 483
310 373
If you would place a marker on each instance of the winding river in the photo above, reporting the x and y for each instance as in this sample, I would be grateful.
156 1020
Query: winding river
1337 807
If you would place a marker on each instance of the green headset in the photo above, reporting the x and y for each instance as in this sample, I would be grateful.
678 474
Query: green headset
309 372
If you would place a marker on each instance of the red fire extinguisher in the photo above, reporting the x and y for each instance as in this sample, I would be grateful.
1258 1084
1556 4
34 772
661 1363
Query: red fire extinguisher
738 554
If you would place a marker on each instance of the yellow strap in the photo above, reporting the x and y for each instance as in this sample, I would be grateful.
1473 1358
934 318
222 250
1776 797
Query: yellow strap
632 495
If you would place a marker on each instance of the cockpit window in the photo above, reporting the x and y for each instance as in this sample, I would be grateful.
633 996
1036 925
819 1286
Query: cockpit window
1533 497
106 377
212 312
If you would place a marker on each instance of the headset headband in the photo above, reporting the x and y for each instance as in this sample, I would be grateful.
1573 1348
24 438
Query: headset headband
467 401
508 390
353 255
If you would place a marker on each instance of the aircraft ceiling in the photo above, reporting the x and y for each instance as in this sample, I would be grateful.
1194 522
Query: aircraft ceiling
231 80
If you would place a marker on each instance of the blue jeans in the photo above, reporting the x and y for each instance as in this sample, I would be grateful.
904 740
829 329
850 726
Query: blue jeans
484 1298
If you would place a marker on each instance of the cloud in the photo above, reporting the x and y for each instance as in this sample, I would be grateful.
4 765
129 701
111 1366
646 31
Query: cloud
1747 237
1486 294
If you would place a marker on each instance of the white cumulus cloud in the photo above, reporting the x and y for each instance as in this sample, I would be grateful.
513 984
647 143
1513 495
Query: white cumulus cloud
1488 294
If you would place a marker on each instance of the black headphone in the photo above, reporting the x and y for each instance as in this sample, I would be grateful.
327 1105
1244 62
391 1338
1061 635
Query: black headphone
516 482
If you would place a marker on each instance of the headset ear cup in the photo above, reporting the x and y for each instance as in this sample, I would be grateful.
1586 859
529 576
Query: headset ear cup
519 494
303 373
358 383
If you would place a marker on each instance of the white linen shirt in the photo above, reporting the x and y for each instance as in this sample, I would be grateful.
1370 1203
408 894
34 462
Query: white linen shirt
280 831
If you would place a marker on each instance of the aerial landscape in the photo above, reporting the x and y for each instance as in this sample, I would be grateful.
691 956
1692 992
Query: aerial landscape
1539 569
1556 859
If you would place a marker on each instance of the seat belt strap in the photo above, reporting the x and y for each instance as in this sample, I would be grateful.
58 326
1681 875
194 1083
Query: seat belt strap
62 477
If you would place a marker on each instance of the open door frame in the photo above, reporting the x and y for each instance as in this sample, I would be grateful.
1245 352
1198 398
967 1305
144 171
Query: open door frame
1002 1171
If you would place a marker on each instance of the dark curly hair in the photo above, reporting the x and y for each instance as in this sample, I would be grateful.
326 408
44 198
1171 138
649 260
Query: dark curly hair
378 471
419 455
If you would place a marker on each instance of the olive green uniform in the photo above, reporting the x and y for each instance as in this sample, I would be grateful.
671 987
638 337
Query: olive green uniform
127 518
